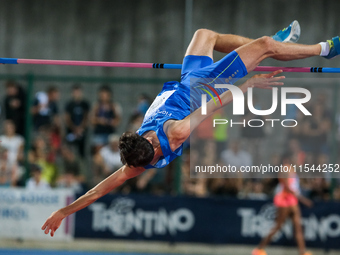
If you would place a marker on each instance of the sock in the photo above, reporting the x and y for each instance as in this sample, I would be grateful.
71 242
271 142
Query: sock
324 49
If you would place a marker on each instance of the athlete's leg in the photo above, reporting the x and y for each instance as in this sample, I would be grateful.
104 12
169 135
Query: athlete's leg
256 51
252 52
282 214
296 219
205 41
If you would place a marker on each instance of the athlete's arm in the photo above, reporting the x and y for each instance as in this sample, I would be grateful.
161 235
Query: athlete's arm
104 187
306 201
180 130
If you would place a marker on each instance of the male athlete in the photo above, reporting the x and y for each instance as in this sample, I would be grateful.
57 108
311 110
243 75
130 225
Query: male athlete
172 116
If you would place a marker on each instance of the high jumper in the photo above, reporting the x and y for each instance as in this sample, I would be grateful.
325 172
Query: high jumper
171 117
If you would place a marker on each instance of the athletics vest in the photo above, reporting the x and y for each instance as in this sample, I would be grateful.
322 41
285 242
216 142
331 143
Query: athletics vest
173 102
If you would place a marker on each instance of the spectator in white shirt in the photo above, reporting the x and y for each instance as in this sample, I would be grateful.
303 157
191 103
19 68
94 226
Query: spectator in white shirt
12 142
234 156
36 182
110 155
8 171
107 160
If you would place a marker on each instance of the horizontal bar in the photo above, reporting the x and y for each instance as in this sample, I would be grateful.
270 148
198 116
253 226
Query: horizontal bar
285 69
156 65
82 63
8 60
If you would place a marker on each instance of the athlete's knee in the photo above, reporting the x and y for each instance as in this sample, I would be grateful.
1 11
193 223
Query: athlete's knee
267 43
205 33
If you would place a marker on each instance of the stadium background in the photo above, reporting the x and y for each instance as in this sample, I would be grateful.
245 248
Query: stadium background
152 31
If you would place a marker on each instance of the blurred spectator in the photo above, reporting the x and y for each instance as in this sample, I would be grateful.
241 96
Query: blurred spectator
323 99
216 186
197 187
297 153
292 112
220 133
320 189
106 116
45 108
12 142
152 181
41 155
53 137
306 186
135 122
253 136
36 182
316 129
71 176
275 160
229 187
143 104
192 186
270 183
108 157
336 194
107 160
8 170
15 106
297 131
245 189
76 119
327 173
235 156
209 157
204 133
257 191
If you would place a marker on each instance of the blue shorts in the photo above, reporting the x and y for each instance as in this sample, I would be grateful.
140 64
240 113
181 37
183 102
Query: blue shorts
197 70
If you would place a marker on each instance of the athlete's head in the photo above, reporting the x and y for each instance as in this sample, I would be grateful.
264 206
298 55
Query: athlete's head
135 150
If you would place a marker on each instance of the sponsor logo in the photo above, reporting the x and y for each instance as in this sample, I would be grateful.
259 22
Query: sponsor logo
122 217
259 224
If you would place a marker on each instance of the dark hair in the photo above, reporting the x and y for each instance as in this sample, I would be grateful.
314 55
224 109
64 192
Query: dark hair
135 150
35 168
76 86
11 83
52 89
105 88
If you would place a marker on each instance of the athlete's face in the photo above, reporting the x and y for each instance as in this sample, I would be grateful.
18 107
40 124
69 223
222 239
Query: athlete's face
153 139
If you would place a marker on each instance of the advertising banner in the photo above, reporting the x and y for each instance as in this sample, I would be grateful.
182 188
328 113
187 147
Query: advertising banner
23 212
204 220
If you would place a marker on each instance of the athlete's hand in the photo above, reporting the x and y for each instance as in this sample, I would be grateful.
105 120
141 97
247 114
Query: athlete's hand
305 201
53 222
266 81
141 183
308 203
